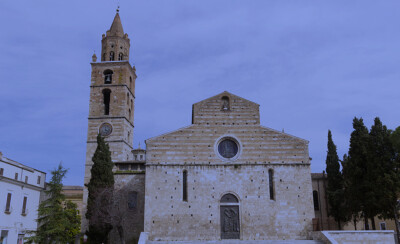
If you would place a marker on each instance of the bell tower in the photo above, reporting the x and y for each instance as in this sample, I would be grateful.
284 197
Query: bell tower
112 97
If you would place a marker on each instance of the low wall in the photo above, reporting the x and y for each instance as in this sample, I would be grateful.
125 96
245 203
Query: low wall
364 237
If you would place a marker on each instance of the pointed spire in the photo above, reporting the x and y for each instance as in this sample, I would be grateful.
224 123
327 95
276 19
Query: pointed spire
116 27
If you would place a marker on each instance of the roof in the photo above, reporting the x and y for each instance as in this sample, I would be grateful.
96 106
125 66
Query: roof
116 27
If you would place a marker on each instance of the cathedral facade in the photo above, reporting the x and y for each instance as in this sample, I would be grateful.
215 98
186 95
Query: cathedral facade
225 176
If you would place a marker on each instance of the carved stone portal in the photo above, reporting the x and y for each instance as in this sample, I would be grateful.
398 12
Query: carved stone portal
230 225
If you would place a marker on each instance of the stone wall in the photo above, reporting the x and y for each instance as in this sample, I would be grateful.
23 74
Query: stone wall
195 149
131 214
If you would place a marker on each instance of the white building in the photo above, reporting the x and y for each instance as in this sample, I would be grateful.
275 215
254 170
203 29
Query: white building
20 188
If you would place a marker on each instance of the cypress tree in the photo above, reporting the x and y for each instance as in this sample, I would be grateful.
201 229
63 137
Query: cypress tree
100 189
355 172
335 188
380 170
59 221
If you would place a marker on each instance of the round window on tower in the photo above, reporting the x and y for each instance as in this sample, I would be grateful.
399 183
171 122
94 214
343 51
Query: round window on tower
228 148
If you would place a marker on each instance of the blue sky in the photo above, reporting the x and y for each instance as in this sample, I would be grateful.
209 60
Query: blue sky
311 65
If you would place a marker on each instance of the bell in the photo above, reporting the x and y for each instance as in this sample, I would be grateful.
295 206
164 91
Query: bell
108 78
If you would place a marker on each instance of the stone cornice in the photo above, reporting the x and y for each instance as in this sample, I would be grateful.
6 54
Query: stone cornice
114 85
20 183
112 117
113 141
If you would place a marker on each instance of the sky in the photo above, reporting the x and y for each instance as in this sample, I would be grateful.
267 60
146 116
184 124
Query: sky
311 65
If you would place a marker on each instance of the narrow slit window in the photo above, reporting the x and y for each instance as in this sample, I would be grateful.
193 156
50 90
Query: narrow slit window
271 184
111 56
26 179
38 180
106 98
316 201
16 176
120 56
129 114
127 100
8 203
184 181
24 206
1 171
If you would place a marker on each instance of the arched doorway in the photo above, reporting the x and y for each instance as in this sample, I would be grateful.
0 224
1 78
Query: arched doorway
230 221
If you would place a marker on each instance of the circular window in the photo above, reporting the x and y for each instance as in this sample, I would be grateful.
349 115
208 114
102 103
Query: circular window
228 148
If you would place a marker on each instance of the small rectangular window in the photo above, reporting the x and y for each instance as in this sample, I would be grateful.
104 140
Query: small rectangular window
8 203
26 179
316 200
141 157
124 167
24 206
382 225
185 192
1 171
271 184
38 180
132 200
16 176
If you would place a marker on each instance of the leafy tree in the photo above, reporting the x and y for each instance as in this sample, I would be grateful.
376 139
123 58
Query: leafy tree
100 196
59 221
335 189
356 181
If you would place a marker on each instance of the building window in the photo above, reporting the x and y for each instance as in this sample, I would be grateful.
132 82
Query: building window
26 179
129 114
316 201
106 98
382 225
4 236
185 190
111 56
127 100
1 171
132 200
16 176
271 184
38 180
141 157
8 203
123 167
135 157
120 56
130 82
225 103
24 206
107 76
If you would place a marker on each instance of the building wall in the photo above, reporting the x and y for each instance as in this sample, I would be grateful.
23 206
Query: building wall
130 210
195 149
15 221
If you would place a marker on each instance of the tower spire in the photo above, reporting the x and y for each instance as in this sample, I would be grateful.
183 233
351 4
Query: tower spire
116 26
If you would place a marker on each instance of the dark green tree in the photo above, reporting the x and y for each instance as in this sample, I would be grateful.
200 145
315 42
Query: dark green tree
335 189
381 172
59 221
356 181
100 187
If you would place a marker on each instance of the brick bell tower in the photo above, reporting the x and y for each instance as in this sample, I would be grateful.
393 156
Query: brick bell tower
112 97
